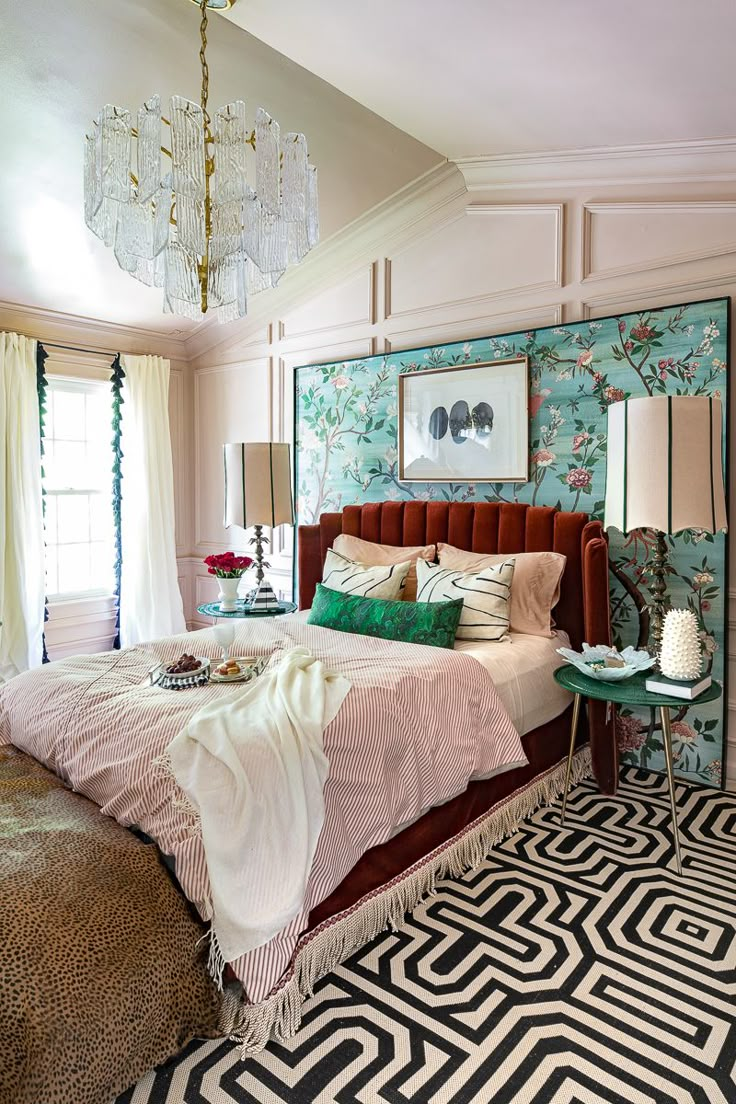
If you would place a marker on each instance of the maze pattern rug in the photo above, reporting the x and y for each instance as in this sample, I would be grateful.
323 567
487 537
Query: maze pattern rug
573 967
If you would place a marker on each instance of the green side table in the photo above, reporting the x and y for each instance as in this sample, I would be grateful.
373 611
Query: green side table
243 608
630 691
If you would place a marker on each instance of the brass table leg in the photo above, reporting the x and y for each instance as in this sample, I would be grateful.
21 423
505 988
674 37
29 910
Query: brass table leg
667 740
573 734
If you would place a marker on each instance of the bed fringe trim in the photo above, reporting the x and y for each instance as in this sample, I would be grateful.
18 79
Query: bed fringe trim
279 1015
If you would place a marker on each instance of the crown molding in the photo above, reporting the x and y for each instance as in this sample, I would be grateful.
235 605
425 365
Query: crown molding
357 244
705 160
89 333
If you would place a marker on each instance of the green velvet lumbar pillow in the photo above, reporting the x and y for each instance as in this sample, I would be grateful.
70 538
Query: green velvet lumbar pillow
413 622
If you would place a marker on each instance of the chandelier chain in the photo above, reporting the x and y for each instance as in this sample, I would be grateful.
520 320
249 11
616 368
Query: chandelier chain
205 67
209 167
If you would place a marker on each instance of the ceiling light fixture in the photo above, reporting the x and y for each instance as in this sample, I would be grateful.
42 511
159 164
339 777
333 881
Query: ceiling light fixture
192 224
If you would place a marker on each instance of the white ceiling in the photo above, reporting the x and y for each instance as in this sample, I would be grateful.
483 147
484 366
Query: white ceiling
483 77
61 60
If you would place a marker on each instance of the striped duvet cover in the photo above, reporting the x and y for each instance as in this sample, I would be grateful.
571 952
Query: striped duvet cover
417 725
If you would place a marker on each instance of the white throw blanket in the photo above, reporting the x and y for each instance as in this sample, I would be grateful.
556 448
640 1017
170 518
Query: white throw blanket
255 769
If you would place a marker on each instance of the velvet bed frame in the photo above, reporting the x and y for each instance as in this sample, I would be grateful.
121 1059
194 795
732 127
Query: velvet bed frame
582 611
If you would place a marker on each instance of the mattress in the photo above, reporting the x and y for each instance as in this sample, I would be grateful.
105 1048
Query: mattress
521 668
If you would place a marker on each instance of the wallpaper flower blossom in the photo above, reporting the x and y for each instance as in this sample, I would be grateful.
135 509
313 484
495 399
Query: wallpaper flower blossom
346 432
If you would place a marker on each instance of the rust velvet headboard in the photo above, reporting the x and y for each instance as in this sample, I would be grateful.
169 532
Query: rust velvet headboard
582 611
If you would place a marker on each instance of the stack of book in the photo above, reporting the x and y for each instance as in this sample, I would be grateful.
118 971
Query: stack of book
677 688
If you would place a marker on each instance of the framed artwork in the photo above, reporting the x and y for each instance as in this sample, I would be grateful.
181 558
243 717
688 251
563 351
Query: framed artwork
465 423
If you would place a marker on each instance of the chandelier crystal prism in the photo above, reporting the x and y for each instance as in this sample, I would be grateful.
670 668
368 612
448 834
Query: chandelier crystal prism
180 211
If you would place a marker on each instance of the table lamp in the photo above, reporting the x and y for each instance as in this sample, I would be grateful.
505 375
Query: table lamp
258 493
665 473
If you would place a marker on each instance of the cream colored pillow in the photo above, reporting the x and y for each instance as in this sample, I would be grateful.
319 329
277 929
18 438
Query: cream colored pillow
536 586
350 577
382 555
486 596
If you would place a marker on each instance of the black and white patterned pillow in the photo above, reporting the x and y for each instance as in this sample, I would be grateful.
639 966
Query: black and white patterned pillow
486 606
350 577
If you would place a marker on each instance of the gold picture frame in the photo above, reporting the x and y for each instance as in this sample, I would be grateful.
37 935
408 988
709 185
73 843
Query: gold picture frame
448 418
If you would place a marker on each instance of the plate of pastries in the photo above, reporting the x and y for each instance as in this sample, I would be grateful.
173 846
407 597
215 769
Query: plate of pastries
238 668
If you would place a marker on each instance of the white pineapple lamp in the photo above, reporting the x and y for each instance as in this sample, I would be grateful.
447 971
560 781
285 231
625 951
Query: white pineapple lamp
681 657
665 472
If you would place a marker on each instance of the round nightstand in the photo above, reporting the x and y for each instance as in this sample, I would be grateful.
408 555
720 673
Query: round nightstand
630 691
244 609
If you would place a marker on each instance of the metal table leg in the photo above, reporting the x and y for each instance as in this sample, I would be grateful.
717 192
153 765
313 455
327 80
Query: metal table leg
571 751
667 740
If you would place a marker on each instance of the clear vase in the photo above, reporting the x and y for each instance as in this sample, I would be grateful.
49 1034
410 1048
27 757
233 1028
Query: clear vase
228 595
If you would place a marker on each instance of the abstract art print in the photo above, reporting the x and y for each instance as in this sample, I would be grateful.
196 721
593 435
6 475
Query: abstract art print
465 423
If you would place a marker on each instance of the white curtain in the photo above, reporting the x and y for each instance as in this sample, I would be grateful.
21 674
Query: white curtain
22 569
150 600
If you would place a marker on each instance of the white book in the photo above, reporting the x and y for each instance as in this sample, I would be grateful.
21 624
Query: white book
676 688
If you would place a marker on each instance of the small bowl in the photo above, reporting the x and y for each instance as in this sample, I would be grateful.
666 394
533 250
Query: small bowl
635 660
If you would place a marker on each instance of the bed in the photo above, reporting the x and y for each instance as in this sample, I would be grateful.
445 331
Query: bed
582 613
100 729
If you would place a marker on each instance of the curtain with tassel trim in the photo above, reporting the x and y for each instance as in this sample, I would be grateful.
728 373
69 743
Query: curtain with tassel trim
41 386
150 600
118 375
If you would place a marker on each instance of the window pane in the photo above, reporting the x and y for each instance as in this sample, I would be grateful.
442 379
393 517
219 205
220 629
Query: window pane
69 415
68 467
73 511
74 568
99 466
99 418
100 576
101 517
78 461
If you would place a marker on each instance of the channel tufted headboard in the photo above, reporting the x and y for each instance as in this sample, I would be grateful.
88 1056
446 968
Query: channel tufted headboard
583 610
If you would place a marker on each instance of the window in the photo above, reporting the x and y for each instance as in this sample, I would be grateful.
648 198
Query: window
78 460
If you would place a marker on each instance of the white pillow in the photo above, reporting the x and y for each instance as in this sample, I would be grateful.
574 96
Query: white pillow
350 577
486 597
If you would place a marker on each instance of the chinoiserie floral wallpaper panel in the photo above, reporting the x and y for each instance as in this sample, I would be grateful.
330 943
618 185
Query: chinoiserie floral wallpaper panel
346 417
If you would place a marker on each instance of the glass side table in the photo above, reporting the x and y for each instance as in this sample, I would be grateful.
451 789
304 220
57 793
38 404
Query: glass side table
243 608
630 691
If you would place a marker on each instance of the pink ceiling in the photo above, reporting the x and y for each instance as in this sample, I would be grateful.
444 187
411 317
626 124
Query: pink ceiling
483 77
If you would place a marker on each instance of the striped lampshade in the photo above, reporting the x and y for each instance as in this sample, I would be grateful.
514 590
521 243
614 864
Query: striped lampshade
257 484
665 468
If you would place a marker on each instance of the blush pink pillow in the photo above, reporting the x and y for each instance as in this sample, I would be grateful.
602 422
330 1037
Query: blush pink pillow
535 589
383 555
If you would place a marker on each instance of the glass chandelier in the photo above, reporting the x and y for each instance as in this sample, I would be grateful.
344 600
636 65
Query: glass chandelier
190 222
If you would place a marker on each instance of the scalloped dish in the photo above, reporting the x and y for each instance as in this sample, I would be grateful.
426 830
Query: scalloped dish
608 664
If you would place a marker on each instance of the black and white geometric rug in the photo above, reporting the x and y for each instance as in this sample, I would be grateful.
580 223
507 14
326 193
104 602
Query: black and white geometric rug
573 967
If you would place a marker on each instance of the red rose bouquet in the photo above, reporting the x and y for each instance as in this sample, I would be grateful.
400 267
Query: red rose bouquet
228 565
